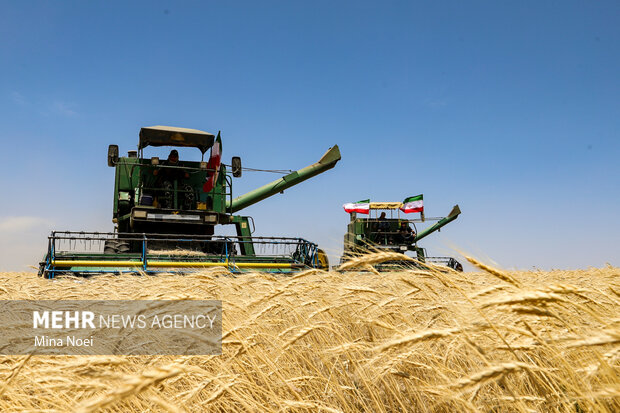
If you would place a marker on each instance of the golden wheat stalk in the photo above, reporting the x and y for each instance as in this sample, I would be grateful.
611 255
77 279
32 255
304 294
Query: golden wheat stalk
307 273
223 388
526 297
417 337
361 289
14 372
603 338
374 258
499 274
492 373
488 291
532 310
164 404
312 406
133 386
302 333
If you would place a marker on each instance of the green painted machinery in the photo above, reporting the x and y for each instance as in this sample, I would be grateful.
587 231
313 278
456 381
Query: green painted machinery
372 233
165 214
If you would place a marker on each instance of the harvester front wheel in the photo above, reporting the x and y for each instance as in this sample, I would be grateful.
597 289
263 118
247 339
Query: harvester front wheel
110 246
114 246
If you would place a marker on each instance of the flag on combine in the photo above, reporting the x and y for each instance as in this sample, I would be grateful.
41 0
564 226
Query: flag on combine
413 204
213 166
362 207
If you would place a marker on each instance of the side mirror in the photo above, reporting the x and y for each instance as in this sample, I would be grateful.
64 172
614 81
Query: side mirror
236 166
112 155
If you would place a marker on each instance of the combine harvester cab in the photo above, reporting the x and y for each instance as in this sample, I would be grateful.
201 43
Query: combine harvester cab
165 213
373 233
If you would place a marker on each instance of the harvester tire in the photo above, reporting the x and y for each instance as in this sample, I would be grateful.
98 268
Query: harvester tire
115 246
110 246
123 247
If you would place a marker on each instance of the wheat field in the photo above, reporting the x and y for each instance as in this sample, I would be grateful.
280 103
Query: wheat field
417 340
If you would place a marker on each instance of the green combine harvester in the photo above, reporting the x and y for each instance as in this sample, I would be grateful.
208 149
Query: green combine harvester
165 214
392 232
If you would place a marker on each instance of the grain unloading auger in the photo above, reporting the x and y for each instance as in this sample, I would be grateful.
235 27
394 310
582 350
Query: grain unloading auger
165 214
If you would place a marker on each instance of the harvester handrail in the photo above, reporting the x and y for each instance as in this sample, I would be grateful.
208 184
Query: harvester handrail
229 202
127 236
375 219
193 168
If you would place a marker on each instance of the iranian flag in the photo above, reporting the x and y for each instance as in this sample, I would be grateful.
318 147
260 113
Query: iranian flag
413 204
361 207
213 166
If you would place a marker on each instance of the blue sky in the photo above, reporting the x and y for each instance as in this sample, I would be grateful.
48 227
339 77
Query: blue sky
510 109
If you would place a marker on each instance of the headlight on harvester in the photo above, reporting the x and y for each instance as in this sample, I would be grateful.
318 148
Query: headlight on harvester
154 160
139 214
211 219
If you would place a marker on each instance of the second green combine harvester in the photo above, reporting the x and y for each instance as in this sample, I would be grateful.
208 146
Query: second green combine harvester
166 211
382 233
